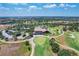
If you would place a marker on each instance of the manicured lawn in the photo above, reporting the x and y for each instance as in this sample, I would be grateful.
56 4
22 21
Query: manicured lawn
42 47
40 40
39 50
72 39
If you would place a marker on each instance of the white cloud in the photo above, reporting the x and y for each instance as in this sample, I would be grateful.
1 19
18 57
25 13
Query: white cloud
49 5
18 8
62 5
72 6
66 5
33 7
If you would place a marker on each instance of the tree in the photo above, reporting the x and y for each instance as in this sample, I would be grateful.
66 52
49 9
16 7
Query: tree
64 52
27 43
54 46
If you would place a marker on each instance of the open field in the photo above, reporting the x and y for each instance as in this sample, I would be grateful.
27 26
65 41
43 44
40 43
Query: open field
16 49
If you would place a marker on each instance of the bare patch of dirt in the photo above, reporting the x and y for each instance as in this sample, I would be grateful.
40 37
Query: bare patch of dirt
10 49
61 40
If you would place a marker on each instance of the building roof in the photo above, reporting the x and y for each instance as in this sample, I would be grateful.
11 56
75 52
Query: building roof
38 33
40 29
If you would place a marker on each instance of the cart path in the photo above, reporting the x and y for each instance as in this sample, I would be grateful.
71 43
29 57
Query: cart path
64 46
31 41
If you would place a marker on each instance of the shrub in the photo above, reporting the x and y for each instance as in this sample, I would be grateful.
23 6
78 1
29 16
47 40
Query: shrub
65 52
54 46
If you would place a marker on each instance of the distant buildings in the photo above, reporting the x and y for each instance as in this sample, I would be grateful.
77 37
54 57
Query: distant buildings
40 29
9 36
4 26
6 35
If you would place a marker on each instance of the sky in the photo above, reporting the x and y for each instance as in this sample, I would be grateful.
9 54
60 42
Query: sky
39 9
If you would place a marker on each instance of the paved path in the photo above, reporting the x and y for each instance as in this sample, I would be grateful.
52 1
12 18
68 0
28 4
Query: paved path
13 41
33 48
66 47
33 45
31 41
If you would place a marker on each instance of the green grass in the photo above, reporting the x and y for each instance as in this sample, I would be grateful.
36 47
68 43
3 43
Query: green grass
40 40
55 30
1 41
72 42
42 47
64 52
24 49
39 50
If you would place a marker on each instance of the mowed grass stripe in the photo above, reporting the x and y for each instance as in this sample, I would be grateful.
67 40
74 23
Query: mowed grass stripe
72 42
42 47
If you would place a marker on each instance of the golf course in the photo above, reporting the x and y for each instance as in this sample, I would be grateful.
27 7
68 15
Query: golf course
72 39
42 46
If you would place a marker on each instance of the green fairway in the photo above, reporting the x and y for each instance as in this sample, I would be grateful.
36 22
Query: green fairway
42 47
72 39
40 40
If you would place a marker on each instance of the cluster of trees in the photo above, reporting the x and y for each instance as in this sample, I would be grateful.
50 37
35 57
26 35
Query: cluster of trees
60 51
28 44
1 36
72 27
31 22
55 47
